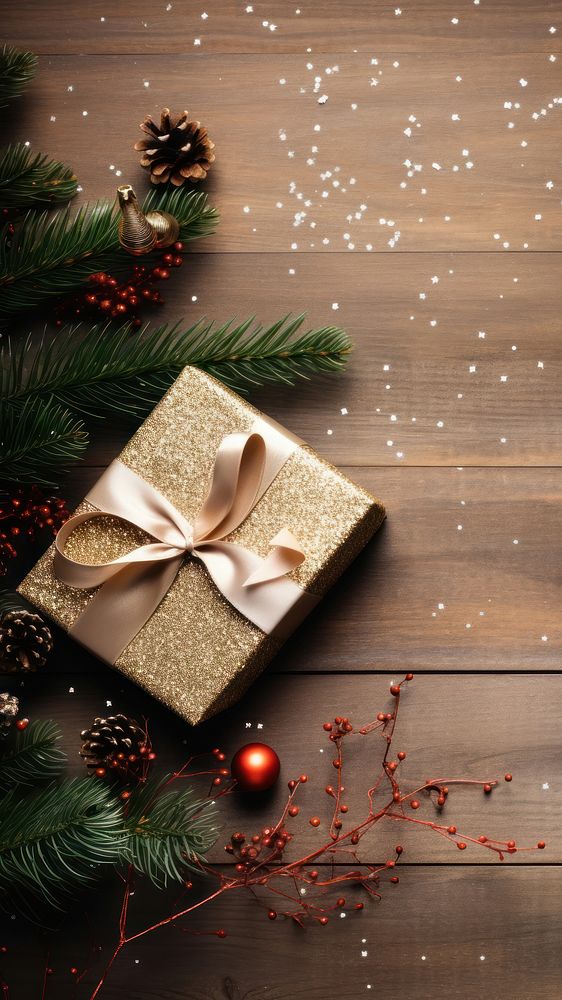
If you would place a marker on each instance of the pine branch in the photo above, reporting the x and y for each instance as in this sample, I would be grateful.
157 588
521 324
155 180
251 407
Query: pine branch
37 438
31 756
16 70
101 373
168 833
30 179
49 257
54 841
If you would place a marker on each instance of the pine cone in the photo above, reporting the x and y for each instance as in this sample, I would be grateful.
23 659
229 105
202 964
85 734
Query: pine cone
9 708
112 742
25 640
177 151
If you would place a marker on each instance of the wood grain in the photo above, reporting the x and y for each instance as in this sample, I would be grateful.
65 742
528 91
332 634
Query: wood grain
472 726
451 916
405 376
281 26
427 163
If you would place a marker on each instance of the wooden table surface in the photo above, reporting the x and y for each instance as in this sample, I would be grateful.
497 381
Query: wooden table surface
396 170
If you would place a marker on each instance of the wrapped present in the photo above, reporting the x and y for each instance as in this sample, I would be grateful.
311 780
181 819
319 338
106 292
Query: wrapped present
201 548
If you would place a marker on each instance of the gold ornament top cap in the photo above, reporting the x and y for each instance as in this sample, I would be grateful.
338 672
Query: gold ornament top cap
126 192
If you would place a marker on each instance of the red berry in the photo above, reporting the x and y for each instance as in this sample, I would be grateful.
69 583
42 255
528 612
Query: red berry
22 724
487 788
451 829
125 795
323 921
461 845
394 879
221 933
303 779
399 848
409 677
482 839
328 727
508 777
314 821
541 845
293 810
401 755
414 804
395 690
272 915
340 901
178 246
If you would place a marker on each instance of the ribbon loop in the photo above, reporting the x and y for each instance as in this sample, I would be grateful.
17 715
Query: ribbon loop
235 483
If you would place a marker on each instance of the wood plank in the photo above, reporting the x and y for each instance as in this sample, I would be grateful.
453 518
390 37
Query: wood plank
280 26
484 933
477 727
414 402
427 596
284 179
409 382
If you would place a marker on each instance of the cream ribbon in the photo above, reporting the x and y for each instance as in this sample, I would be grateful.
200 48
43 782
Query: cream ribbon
132 586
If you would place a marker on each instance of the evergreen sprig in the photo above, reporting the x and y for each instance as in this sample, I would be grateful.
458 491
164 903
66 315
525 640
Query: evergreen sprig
54 841
37 438
16 70
30 179
31 756
49 257
168 832
100 372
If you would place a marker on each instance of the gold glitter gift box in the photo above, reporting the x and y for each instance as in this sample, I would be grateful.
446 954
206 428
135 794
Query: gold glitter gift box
196 652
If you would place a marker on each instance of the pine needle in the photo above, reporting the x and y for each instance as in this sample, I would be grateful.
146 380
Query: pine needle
16 70
53 256
38 439
31 756
101 371
168 833
54 841
29 179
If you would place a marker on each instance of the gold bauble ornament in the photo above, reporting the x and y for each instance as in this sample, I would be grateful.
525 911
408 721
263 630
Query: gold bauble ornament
166 227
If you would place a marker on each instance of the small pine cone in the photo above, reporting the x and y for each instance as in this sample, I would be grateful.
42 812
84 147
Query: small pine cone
177 151
112 742
25 641
9 708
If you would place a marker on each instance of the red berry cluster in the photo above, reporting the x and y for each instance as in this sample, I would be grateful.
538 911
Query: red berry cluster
23 515
272 840
106 297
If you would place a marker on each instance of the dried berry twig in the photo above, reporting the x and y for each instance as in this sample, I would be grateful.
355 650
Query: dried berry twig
304 892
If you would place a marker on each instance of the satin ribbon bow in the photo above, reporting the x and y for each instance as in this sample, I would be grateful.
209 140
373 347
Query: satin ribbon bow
132 586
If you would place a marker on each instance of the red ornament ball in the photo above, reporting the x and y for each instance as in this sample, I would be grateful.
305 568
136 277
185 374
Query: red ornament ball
255 767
